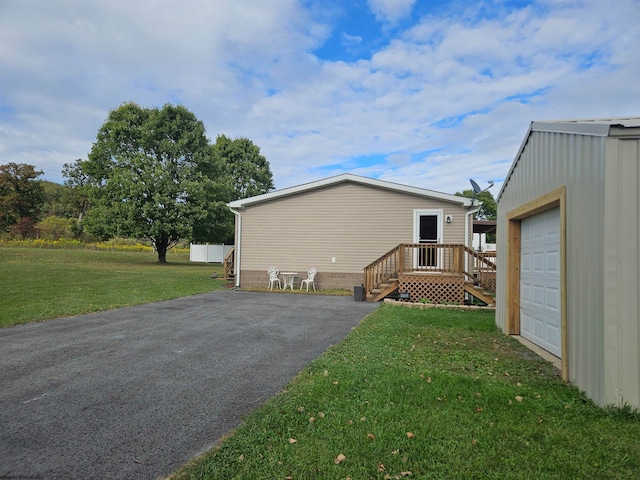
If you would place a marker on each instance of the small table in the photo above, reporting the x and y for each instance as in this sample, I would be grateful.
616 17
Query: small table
288 278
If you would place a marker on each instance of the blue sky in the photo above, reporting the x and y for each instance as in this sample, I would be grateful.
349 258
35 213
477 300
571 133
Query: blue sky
427 93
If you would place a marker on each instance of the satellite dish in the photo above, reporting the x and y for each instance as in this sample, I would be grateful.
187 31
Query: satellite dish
476 187
477 190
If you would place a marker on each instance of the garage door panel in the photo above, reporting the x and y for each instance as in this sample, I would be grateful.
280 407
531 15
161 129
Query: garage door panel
538 296
552 296
540 280
552 263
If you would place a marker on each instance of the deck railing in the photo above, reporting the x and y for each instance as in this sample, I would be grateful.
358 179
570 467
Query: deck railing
228 264
450 258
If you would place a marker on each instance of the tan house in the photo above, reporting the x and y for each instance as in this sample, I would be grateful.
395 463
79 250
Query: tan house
569 277
342 225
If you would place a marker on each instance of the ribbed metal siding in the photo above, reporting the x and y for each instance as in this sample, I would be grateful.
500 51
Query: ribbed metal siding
549 161
622 273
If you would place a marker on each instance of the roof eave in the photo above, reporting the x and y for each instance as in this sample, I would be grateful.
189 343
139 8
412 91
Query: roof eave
344 178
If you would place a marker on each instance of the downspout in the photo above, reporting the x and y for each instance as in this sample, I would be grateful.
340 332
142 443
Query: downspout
238 244
466 235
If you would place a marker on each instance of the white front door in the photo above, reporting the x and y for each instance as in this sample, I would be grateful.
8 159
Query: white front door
427 229
540 280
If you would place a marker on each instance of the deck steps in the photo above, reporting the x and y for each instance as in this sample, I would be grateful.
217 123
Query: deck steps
480 293
383 290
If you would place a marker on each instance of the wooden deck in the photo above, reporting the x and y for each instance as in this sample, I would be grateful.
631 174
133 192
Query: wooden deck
438 272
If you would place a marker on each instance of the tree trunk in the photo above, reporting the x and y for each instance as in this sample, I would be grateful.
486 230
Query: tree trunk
161 247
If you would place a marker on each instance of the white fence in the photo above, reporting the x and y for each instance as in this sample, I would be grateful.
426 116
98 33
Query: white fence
208 253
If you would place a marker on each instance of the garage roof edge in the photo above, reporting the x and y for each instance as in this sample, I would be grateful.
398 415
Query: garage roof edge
600 127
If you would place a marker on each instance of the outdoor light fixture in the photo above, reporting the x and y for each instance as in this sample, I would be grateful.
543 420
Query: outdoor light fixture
449 219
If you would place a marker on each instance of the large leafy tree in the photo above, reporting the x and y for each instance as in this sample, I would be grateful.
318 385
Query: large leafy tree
249 170
146 175
21 194
247 173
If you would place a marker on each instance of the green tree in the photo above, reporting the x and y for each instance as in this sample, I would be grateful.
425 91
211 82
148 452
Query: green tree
55 228
488 209
21 194
55 200
78 188
145 175
247 173
249 170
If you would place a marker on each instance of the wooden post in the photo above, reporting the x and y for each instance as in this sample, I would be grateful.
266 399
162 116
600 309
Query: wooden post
513 277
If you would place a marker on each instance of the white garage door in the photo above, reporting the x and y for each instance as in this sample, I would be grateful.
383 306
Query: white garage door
540 280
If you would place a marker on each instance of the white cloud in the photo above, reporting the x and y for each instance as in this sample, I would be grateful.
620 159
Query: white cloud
390 11
463 87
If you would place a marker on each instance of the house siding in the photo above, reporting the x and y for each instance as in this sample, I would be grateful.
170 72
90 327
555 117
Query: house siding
353 223
601 180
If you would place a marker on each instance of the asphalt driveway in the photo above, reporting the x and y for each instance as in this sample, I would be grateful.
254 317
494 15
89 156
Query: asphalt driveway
136 392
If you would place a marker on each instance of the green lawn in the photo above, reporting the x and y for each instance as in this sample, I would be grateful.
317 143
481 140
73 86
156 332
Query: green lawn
40 284
427 394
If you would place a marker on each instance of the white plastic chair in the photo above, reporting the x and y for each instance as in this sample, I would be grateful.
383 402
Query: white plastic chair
273 277
311 274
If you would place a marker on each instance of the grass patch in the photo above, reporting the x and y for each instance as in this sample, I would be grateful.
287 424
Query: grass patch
40 284
427 394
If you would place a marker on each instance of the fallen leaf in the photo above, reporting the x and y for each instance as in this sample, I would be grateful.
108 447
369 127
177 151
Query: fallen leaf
301 409
326 373
510 402
241 457
335 382
410 435
292 440
518 384
406 474
363 419
474 441
371 436
506 374
312 419
479 409
339 459
321 414
519 398
478 394
395 452
428 379
380 467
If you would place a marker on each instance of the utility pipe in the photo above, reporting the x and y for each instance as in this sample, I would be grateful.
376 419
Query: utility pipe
238 243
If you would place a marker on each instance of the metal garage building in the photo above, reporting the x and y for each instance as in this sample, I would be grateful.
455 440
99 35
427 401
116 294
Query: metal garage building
568 242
